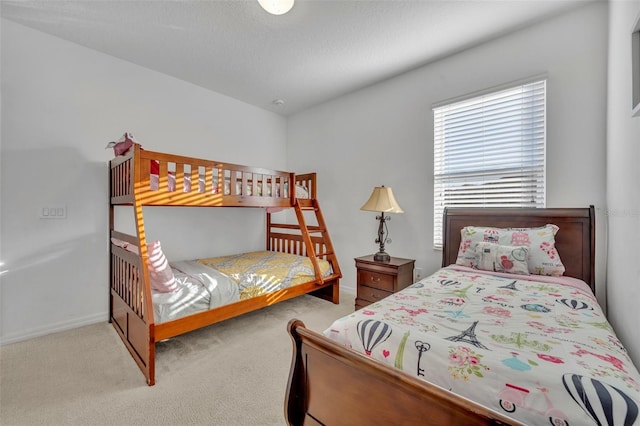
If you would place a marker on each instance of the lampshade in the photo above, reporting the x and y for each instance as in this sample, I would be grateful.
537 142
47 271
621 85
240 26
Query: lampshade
382 200
276 7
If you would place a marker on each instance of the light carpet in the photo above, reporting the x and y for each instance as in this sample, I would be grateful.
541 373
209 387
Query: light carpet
231 373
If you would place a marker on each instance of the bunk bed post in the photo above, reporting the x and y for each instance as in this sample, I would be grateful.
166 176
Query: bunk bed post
111 229
268 231
292 189
130 304
147 304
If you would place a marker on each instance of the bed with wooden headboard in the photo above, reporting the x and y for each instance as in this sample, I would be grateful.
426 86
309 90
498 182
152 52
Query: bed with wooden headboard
468 346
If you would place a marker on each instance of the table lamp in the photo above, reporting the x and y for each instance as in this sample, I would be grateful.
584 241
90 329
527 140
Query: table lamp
383 201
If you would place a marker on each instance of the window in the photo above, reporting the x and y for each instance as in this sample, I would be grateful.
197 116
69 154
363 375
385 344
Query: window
489 151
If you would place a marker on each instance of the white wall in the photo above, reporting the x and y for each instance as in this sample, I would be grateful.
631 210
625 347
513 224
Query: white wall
623 176
61 104
384 135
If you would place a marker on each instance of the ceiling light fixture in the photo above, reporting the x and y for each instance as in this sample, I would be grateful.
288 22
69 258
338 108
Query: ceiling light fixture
276 7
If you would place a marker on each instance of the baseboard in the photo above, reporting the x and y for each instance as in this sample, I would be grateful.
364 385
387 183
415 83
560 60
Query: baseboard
348 290
53 328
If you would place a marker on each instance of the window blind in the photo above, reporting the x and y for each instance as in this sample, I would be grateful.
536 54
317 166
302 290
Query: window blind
489 151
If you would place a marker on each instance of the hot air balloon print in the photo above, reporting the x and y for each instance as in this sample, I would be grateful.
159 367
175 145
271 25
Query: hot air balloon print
605 404
446 282
372 333
534 307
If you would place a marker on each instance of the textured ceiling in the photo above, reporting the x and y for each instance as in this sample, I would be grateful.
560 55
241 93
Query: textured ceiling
319 50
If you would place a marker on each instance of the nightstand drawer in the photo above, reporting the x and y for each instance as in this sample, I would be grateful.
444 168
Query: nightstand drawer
371 294
377 280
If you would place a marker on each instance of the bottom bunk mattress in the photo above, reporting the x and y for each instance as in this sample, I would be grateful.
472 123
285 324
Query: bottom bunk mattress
538 349
204 284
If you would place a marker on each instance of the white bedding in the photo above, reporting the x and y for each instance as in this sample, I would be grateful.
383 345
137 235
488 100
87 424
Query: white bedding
209 283
199 288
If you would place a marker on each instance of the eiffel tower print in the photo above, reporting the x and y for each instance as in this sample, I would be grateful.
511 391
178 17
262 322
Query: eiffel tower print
469 336
511 286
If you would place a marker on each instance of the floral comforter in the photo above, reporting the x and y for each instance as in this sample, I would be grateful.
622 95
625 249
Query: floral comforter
538 351
263 272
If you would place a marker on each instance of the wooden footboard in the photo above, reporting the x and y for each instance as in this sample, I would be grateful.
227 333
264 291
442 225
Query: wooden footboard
332 385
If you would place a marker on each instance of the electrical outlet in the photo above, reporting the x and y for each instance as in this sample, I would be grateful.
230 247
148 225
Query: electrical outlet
417 274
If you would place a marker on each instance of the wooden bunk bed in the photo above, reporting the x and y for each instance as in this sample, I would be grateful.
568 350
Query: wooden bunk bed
332 381
145 178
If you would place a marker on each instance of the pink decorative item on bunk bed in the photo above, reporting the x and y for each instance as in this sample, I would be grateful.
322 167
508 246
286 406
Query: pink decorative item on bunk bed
123 145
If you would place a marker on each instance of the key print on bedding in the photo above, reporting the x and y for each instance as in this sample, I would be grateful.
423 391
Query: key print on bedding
538 349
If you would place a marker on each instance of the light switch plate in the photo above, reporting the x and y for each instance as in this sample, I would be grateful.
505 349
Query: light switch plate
53 211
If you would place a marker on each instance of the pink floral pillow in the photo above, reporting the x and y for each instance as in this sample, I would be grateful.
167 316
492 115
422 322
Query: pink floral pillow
543 258
497 258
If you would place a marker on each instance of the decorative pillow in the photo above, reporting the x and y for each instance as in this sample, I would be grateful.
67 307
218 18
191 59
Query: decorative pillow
497 258
470 236
160 273
543 258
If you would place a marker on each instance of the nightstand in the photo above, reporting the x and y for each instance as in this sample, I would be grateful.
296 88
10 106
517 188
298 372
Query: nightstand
377 280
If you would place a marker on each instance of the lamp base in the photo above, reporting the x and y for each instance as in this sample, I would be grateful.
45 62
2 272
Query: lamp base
381 257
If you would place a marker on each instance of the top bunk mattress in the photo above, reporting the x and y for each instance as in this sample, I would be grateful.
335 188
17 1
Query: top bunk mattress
208 283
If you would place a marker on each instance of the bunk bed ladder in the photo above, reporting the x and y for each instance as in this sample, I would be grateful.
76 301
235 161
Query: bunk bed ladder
322 229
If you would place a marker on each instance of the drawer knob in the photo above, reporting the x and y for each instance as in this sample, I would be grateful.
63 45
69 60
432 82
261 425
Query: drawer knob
375 296
376 279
